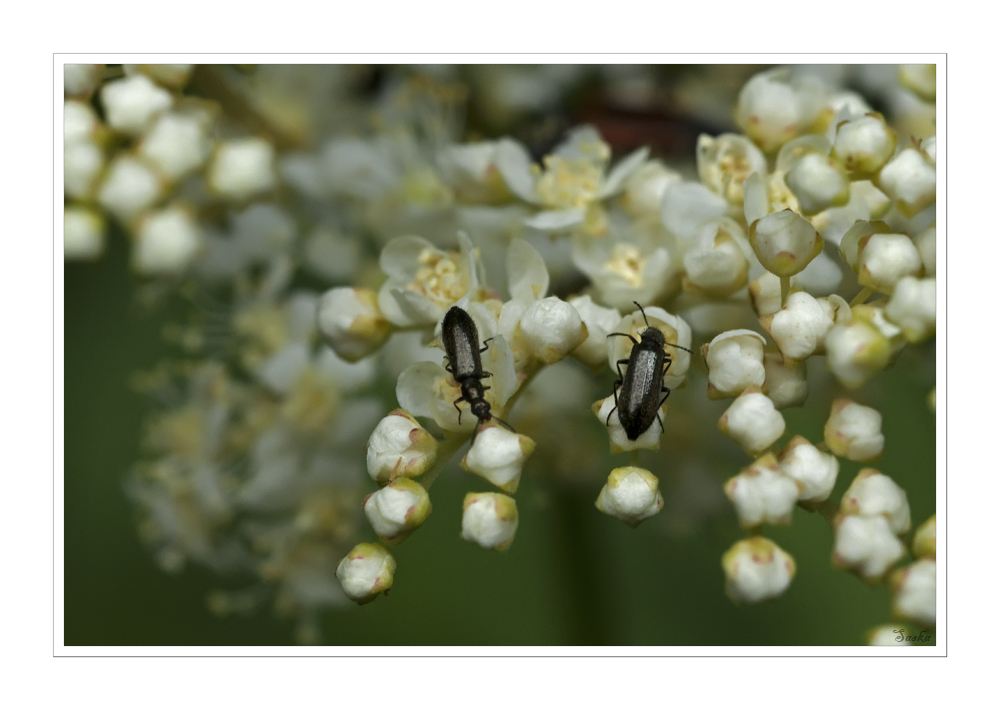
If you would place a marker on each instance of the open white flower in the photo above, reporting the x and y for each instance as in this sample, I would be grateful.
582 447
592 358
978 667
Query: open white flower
623 271
607 412
631 494
572 181
726 161
424 281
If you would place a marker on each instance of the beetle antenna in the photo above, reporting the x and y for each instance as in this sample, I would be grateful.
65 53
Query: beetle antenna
505 424
675 345
642 312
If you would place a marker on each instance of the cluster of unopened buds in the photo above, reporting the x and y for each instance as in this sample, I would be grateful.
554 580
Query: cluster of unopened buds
809 237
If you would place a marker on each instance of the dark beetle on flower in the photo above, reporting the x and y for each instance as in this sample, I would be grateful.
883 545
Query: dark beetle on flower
461 343
639 402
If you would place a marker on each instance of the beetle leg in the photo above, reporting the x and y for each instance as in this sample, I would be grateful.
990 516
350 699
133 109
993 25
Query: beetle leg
621 377
460 399
487 374
485 346
667 390
607 422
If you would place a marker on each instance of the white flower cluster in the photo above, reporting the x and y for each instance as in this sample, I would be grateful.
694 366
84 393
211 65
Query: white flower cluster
808 237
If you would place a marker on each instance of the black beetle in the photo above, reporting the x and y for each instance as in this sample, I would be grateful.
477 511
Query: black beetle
642 383
461 343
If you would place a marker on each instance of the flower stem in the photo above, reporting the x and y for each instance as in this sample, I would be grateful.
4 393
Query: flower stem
863 295
786 287
451 444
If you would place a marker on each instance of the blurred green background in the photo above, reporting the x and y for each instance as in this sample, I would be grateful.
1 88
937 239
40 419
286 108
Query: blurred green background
573 576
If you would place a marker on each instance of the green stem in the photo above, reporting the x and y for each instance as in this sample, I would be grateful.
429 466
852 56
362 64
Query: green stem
786 287
451 444
863 295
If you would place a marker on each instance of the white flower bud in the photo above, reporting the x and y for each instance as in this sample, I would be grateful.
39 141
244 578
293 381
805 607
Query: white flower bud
819 182
129 188
784 383
717 262
854 431
631 494
735 361
351 323
801 325
366 572
921 79
849 247
82 163
83 234
131 103
756 569
489 520
761 493
909 179
607 412
928 146
242 168
856 350
552 329
912 307
925 539
397 510
915 592
926 243
864 145
752 421
176 144
814 471
773 107
872 493
883 259
866 545
80 122
785 242
399 447
725 162
81 79
167 241
599 323
645 188
498 456
765 294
